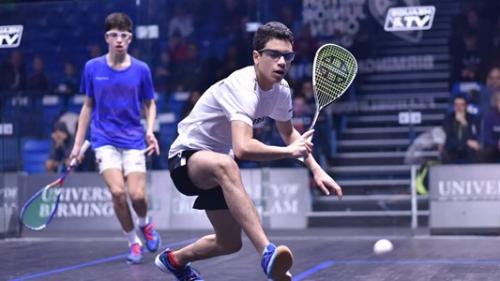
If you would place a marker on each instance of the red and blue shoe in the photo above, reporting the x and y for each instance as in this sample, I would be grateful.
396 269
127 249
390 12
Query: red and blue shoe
276 261
135 254
186 273
151 237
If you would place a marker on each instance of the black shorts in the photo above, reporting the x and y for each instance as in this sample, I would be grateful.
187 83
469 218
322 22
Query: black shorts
211 199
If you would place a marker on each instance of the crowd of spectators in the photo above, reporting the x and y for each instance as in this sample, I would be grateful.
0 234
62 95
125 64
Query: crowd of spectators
472 125
203 41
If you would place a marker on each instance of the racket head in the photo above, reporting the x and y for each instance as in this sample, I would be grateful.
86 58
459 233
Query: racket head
39 210
334 69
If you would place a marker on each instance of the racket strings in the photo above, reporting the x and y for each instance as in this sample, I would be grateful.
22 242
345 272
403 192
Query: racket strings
335 69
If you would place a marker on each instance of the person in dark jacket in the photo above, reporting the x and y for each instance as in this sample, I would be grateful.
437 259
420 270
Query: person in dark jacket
491 132
462 134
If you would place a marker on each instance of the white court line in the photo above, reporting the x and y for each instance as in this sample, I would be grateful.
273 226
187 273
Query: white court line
272 237
375 237
66 239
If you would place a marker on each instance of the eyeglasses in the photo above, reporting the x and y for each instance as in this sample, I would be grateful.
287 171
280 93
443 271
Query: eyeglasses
115 34
276 55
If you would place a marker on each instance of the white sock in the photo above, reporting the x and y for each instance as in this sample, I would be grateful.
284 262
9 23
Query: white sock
132 237
143 221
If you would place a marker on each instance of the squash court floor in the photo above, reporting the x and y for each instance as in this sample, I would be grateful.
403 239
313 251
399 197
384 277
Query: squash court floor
321 254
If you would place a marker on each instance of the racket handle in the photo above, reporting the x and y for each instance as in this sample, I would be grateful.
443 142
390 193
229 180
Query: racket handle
302 159
85 146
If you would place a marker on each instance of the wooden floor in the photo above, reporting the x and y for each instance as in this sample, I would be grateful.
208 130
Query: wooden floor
320 255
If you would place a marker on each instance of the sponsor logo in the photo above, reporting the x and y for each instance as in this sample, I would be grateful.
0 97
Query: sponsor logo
80 202
258 120
409 18
379 8
333 69
468 190
284 199
397 63
101 78
10 36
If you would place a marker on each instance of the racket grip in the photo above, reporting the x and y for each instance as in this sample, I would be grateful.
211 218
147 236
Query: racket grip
302 159
85 146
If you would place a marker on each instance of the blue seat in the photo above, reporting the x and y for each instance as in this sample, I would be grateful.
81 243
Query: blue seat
75 103
35 153
9 154
52 107
177 101
24 113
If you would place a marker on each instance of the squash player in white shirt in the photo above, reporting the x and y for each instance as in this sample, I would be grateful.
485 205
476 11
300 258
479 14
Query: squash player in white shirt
219 126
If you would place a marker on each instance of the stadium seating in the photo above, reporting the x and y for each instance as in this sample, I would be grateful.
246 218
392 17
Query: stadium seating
35 153
52 106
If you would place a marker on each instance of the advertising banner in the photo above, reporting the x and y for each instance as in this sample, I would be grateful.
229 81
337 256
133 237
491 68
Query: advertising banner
281 197
465 199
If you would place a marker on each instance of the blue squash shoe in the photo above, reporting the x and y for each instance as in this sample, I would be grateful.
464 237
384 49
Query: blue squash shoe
135 254
151 237
187 273
276 261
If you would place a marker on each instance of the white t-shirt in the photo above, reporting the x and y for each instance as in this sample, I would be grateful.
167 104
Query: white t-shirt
238 97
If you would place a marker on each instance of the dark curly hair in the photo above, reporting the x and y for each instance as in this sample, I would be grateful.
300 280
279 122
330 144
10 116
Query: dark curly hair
269 31
119 21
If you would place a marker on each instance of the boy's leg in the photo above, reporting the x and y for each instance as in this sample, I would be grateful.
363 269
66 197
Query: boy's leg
110 166
136 182
115 182
208 169
226 240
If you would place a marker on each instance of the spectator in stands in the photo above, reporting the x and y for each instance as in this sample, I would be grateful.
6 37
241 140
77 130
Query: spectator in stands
231 14
68 86
322 149
287 16
468 58
492 85
38 83
462 132
188 72
493 56
162 73
491 132
305 48
181 22
231 62
301 114
178 48
94 50
194 96
496 36
493 79
13 74
61 147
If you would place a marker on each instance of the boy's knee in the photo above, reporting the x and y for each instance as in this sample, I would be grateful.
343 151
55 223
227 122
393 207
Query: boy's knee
227 248
226 168
119 196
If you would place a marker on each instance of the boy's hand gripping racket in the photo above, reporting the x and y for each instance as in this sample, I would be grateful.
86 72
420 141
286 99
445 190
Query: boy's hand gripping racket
334 69
39 210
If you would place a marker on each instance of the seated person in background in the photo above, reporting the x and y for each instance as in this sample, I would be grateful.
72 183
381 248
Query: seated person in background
61 147
461 130
491 132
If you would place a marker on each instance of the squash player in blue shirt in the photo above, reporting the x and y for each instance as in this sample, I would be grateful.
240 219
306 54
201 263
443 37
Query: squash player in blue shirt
117 88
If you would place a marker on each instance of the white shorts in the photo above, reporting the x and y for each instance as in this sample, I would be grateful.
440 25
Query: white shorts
126 160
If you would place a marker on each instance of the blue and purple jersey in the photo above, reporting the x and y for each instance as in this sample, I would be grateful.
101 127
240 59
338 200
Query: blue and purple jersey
118 96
